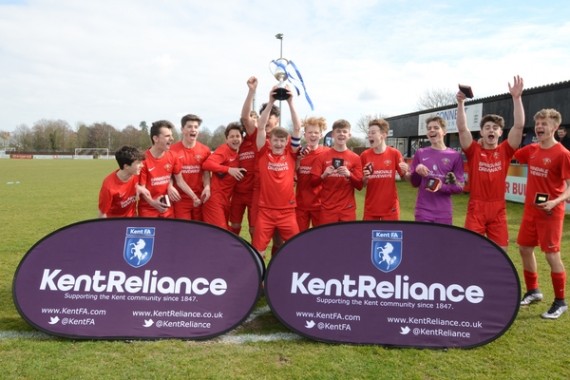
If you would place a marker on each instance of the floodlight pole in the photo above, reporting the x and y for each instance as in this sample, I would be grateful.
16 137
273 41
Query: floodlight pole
279 36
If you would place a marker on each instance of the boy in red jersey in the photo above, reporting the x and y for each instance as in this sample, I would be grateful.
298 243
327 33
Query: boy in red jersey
380 163
159 167
242 197
309 196
548 187
276 169
191 154
488 163
118 194
340 172
224 165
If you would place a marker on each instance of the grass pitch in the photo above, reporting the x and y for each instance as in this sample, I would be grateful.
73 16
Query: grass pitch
41 196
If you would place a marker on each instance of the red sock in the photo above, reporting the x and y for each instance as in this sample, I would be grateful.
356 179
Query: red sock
558 284
235 230
531 280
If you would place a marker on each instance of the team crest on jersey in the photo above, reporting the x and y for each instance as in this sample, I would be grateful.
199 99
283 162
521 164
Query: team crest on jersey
546 161
388 163
446 161
139 243
168 168
386 249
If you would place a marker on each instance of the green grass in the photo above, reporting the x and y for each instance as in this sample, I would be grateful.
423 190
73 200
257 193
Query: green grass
46 195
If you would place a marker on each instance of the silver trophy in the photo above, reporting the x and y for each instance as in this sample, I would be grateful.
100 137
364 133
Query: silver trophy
278 68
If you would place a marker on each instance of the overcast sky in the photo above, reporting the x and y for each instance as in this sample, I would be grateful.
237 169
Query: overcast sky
125 61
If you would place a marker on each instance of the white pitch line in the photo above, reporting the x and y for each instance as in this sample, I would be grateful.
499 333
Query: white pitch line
252 338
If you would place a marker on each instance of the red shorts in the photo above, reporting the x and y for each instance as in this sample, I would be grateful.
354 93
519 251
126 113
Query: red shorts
394 216
151 212
216 213
269 220
540 229
488 219
241 201
184 209
252 212
334 216
307 217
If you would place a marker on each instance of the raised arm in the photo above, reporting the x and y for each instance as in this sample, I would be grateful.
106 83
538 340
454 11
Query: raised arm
246 119
296 133
465 137
516 132
262 122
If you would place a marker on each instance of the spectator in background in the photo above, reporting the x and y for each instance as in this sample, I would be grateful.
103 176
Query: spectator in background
562 136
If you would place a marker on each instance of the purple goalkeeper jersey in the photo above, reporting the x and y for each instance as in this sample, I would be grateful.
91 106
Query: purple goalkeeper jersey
430 206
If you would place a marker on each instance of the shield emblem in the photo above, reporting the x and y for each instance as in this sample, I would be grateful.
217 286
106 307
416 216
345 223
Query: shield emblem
139 243
386 250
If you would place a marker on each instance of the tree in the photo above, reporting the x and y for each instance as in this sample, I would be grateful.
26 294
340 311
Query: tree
23 138
5 136
362 123
218 137
354 142
205 136
435 98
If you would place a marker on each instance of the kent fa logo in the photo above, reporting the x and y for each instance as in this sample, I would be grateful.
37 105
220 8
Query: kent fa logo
386 249
139 242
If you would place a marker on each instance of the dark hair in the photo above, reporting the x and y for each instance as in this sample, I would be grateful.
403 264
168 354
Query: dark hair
157 125
126 155
274 110
190 117
234 125
494 119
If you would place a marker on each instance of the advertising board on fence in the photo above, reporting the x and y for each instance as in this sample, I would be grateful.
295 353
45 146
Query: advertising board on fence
394 283
138 278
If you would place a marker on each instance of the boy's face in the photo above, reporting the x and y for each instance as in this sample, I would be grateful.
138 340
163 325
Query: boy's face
376 136
234 139
544 129
190 131
341 136
278 144
164 139
134 168
561 132
313 134
490 133
435 132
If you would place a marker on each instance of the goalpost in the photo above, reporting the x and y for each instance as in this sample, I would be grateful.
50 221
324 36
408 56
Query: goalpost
91 153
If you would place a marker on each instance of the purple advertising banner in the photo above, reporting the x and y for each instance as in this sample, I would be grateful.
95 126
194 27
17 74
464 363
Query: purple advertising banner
395 284
138 278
